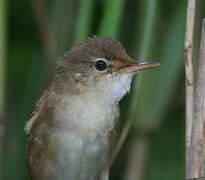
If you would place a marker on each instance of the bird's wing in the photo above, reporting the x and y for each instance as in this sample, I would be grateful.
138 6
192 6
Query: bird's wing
37 108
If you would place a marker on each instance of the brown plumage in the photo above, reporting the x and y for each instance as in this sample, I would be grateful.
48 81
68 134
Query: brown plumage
73 126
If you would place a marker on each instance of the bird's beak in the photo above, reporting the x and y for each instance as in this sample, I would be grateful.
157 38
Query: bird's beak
137 66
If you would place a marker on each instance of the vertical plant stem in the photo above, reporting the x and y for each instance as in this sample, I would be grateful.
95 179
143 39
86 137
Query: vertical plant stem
84 20
196 166
2 73
137 158
44 28
190 21
63 18
110 21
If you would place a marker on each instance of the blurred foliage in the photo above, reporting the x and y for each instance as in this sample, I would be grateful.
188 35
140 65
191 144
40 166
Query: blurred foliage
149 29
2 50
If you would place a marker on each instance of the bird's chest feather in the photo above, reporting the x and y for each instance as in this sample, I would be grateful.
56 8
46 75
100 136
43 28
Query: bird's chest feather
81 158
78 145
84 135
89 118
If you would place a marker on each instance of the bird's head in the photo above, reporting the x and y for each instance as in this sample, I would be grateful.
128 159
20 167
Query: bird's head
100 65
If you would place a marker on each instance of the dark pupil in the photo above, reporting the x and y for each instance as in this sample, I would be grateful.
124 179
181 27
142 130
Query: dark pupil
100 65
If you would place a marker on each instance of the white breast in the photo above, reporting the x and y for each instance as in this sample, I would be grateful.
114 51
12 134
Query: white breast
83 137
86 116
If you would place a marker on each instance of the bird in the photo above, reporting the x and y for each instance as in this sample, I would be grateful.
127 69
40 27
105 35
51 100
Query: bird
74 124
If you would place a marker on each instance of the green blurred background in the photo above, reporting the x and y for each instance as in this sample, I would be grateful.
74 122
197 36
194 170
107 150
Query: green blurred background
34 33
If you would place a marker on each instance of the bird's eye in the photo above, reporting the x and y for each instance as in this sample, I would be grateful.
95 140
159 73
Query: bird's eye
100 65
